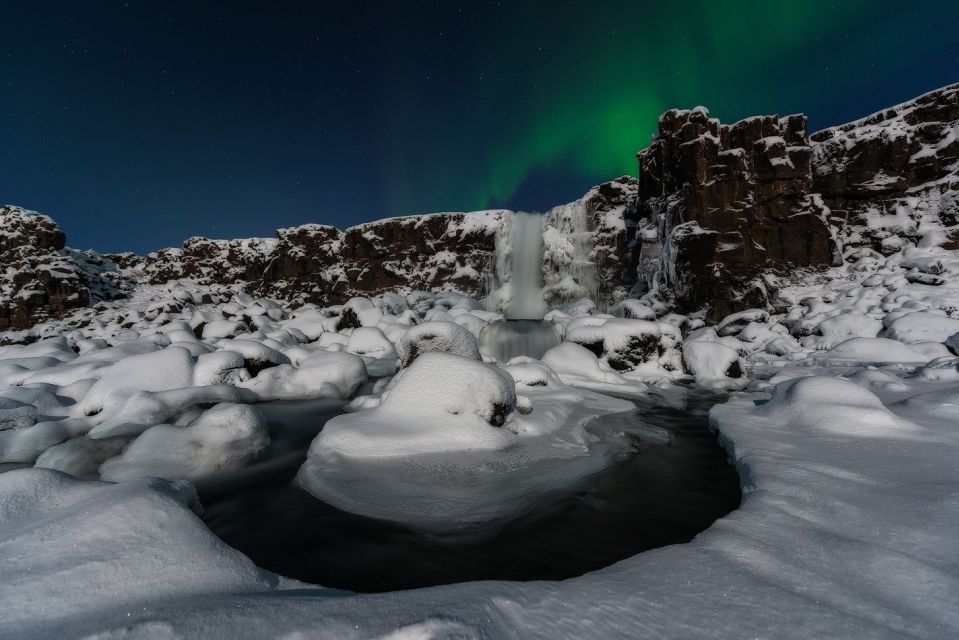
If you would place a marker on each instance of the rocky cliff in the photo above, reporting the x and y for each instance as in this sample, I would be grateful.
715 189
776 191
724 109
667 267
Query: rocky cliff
40 278
725 210
310 263
720 216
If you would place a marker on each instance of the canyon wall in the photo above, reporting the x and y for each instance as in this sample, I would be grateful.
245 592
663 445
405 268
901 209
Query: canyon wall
720 215
725 211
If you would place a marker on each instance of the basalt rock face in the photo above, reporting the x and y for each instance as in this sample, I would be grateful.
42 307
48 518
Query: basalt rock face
725 209
321 264
729 204
41 279
887 178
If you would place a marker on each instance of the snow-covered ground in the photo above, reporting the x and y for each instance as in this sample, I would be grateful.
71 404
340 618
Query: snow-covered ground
842 420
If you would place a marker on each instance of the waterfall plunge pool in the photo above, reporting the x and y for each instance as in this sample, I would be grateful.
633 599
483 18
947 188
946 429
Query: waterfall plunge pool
672 482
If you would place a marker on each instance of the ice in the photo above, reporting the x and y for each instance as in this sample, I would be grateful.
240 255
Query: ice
444 451
223 438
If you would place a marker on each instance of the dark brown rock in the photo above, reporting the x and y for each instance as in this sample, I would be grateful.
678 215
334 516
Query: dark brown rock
728 204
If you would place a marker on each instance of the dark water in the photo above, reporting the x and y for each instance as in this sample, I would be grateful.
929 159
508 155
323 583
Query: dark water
672 488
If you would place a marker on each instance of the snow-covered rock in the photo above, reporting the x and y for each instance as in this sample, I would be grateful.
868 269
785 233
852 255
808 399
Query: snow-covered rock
224 437
446 337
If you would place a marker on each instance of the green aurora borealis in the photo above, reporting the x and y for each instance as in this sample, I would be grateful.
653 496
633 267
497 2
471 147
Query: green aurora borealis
163 119
581 92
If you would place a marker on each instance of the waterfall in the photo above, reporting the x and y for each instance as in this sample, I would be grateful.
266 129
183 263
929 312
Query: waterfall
526 271
519 268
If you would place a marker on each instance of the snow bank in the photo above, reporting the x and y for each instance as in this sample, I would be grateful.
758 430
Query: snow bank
74 548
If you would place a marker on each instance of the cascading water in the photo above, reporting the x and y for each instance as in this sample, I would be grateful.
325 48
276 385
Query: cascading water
518 290
519 294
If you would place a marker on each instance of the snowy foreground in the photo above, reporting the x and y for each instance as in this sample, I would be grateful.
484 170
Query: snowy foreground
842 420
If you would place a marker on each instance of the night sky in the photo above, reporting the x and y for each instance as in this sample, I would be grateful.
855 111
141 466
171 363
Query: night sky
138 124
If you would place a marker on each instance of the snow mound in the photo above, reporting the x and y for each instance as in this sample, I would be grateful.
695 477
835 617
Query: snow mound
134 537
170 368
371 343
714 365
823 403
333 374
222 438
437 336
860 351
442 402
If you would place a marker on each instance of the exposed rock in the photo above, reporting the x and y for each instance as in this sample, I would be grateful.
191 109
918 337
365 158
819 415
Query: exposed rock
885 175
724 209
43 280
727 204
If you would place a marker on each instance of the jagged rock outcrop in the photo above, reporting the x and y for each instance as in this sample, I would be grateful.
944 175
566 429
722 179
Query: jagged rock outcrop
723 209
718 213
889 175
319 263
40 278
731 203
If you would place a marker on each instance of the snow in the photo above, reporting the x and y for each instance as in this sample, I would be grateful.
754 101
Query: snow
442 402
170 368
714 365
444 451
446 337
839 412
222 438
323 374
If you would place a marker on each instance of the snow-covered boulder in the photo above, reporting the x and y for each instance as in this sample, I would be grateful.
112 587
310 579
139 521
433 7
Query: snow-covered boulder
221 329
630 345
850 324
864 351
220 367
170 368
437 336
311 322
634 309
922 326
371 343
15 414
325 374
824 403
736 322
81 457
441 402
574 363
222 438
257 356
713 364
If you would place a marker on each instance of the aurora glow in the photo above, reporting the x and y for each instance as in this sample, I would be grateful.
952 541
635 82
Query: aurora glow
231 124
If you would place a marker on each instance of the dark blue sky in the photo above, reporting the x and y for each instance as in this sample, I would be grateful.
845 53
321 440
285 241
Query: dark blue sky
138 124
